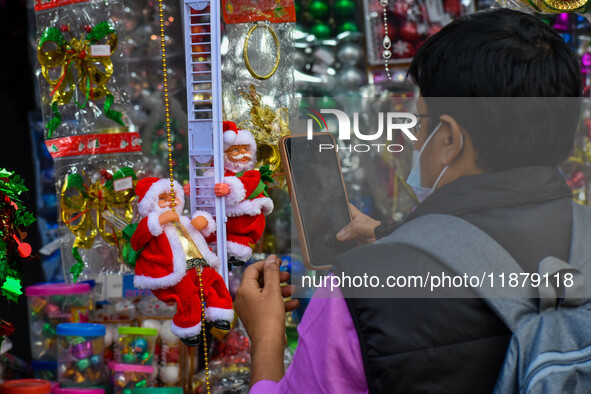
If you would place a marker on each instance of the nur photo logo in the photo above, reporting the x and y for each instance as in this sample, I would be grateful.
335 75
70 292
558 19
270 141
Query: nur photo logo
387 122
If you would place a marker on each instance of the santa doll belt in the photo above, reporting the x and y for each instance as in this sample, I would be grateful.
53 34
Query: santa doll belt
196 262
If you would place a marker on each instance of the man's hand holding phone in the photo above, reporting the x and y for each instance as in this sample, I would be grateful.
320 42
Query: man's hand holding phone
361 228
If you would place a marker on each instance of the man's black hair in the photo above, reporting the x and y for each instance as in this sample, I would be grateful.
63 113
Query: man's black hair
503 53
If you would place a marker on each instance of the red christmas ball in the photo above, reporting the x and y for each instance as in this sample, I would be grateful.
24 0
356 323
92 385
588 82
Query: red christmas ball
6 328
452 7
392 32
400 9
409 32
402 49
434 29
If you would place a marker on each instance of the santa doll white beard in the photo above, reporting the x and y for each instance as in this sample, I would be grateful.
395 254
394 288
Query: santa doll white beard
237 166
157 209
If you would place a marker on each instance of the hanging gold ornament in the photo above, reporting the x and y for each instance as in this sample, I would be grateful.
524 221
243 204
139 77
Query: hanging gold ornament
267 126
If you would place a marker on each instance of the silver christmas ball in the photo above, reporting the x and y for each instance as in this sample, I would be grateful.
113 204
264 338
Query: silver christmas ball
350 53
352 77
300 59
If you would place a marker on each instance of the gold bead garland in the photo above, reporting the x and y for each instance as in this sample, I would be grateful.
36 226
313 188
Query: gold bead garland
172 192
206 359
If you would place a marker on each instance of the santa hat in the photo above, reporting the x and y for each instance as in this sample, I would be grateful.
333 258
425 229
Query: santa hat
149 189
233 136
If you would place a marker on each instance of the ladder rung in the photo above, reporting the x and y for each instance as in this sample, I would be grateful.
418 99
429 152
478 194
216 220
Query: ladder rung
202 91
204 62
201 33
201 72
200 24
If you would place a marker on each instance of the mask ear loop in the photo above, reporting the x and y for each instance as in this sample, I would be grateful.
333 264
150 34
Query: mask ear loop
447 166
429 139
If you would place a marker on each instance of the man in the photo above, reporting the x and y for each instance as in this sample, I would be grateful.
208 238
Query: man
497 172
165 266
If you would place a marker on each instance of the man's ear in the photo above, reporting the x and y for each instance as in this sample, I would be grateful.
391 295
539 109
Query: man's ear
452 139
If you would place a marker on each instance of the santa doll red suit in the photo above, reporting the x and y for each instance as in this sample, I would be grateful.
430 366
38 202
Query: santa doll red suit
247 202
162 264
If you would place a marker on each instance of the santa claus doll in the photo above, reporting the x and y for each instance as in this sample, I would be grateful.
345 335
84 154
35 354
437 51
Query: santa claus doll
172 251
247 202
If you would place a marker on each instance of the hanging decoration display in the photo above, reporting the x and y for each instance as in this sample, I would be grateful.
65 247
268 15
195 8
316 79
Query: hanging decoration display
175 262
96 173
82 78
85 63
14 220
83 204
395 29
267 126
257 71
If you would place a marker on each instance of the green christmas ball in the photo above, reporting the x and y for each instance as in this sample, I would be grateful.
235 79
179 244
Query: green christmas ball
318 9
326 102
322 31
345 7
128 358
348 26
83 364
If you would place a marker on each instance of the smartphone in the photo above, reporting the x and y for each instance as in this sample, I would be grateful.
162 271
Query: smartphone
318 196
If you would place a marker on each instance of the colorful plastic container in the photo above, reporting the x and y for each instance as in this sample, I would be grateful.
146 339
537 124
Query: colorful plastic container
45 370
135 345
159 390
26 386
77 390
49 305
127 377
81 349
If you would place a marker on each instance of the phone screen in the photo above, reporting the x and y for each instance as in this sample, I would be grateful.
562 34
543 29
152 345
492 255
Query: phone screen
321 198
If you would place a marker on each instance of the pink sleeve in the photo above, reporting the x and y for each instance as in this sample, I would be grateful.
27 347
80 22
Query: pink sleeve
328 356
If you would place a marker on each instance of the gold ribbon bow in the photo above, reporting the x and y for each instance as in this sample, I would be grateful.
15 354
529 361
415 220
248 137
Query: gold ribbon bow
59 58
82 208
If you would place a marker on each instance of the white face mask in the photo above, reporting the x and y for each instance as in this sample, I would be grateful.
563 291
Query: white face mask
414 178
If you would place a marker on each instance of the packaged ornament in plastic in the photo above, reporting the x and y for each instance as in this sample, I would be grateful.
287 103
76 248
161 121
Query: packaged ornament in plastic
81 348
82 78
257 74
93 188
